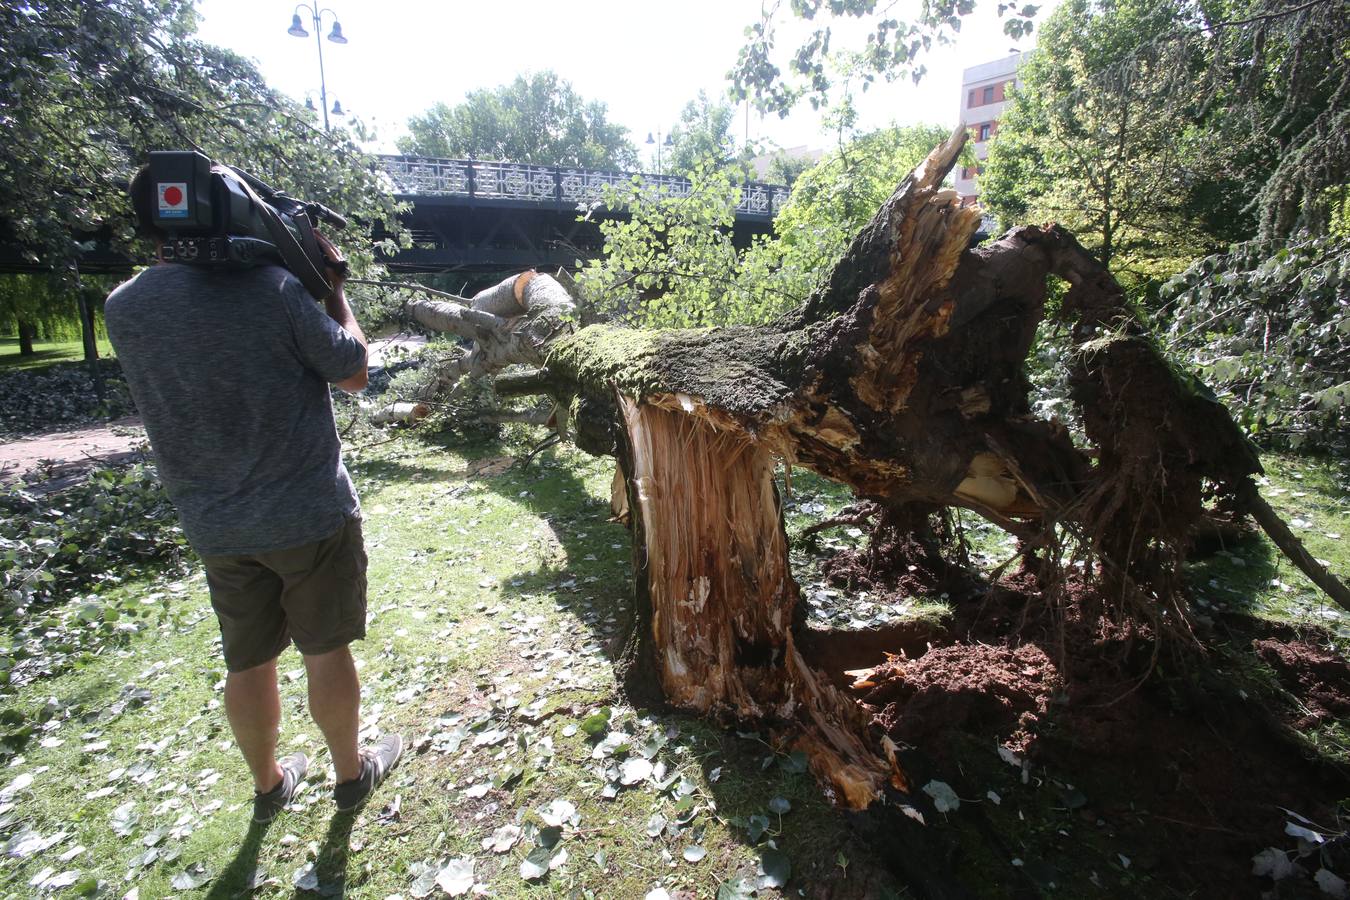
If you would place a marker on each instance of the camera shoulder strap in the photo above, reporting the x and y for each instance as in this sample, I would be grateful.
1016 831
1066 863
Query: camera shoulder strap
292 254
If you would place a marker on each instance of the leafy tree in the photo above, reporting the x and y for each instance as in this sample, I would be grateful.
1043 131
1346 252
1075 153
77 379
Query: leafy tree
832 200
537 118
784 169
1265 80
893 48
672 263
703 136
1269 326
87 89
1095 138
24 305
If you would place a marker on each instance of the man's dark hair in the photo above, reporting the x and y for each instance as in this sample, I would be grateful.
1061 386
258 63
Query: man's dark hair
142 191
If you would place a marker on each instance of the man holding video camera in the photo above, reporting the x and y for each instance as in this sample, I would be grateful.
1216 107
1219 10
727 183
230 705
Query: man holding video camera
230 369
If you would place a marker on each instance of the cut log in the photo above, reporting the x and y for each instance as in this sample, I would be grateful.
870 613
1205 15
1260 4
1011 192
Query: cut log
400 413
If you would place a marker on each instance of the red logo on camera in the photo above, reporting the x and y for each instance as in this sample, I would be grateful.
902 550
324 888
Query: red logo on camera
173 201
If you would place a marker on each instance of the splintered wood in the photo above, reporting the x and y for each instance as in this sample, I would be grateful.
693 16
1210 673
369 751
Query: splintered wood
722 594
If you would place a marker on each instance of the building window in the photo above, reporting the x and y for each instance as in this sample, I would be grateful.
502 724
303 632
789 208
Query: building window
989 94
985 131
971 101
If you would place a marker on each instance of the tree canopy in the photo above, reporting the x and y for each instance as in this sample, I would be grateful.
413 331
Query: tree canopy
703 135
1109 153
87 89
1261 85
537 118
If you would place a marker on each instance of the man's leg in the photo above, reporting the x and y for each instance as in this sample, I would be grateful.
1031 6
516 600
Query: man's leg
253 707
335 705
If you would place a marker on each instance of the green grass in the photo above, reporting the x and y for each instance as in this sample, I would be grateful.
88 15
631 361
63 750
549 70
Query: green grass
1313 496
45 353
488 598
492 601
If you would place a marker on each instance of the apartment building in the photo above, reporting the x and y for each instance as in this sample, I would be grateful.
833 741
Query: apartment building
984 94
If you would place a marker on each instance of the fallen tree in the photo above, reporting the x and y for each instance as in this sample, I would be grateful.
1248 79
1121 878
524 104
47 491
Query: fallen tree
903 377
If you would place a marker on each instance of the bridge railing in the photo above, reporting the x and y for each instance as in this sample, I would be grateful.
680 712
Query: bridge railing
562 187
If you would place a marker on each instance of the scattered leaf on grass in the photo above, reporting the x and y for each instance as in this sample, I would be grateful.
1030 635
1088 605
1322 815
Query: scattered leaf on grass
503 839
306 878
20 782
596 723
124 819
694 853
736 889
189 879
776 868
655 825
756 825
456 879
558 812
635 770
944 798
535 865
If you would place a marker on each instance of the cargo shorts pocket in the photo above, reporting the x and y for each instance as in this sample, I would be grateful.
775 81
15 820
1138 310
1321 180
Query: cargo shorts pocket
325 591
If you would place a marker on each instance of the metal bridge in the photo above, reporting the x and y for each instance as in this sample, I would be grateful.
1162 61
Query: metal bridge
474 216
471 215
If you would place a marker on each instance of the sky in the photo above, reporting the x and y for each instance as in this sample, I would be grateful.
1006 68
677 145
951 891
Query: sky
644 60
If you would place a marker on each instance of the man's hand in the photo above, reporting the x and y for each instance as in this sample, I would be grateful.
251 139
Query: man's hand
334 261
337 308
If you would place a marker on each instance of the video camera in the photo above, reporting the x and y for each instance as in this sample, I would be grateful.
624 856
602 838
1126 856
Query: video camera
218 215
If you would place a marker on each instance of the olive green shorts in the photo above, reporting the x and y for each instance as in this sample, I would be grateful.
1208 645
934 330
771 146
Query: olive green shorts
314 595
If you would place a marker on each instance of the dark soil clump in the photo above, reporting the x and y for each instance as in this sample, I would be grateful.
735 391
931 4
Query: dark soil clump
1171 763
972 687
1320 678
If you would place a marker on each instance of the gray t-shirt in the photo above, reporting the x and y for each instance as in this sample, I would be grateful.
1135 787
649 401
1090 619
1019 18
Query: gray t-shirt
230 373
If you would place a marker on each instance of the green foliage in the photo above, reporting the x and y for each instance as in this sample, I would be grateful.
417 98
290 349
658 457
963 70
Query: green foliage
1095 140
60 394
29 302
833 200
892 48
1256 93
537 118
1269 326
51 548
671 263
703 138
784 169
1159 132
87 89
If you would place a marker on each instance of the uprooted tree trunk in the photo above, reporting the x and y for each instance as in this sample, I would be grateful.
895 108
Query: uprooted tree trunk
903 377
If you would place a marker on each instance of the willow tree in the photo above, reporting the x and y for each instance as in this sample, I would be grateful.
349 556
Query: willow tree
903 377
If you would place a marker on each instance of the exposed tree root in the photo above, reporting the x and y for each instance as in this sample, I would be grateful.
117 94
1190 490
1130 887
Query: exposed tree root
904 378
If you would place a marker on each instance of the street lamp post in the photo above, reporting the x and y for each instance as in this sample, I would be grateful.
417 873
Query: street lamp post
659 144
298 30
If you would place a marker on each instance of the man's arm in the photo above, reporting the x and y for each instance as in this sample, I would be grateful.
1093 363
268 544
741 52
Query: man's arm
338 310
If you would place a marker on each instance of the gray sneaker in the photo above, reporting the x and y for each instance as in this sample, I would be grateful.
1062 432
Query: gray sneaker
376 762
267 806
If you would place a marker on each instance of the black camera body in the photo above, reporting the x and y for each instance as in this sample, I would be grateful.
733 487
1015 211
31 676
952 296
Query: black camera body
218 215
